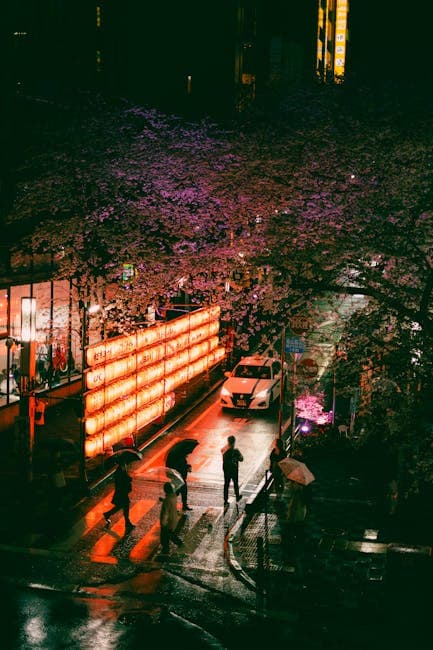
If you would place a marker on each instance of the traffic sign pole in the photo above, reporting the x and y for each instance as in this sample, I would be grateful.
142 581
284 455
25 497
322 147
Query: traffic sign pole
280 412
293 423
294 345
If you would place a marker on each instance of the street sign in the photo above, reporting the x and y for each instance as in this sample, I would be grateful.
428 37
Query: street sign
299 324
128 272
294 344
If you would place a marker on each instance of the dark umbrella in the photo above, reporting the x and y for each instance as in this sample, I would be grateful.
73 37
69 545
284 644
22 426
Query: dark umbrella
182 448
63 445
124 456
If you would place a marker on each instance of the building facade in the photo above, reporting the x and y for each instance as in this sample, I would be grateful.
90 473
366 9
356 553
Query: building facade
192 57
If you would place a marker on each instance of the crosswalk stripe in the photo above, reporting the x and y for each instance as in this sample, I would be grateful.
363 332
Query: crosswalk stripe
114 534
146 546
84 525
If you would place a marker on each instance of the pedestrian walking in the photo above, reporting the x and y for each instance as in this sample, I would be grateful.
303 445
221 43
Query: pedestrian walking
231 459
58 483
179 462
293 524
120 501
278 453
169 519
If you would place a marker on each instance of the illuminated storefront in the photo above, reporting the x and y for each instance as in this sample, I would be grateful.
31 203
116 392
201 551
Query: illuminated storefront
127 381
58 336
130 379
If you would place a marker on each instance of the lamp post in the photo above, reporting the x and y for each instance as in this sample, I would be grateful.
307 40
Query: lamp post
26 419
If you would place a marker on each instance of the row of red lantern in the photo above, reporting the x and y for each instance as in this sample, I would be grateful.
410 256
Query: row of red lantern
137 398
101 397
140 417
108 372
124 345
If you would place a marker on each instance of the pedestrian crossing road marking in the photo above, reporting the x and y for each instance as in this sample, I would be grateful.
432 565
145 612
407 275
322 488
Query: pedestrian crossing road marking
84 525
107 542
146 546
92 539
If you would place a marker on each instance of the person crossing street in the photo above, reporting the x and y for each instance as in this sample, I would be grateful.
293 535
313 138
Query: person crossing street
169 519
122 488
231 459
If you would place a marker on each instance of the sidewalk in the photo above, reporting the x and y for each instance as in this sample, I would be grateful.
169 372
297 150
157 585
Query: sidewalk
357 580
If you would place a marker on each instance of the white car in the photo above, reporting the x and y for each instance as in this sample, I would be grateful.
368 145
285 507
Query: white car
254 384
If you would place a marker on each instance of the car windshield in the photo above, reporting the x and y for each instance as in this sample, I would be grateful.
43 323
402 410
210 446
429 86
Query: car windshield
252 372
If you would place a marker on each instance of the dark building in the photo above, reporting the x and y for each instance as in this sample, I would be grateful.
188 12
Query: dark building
211 56
390 41
207 56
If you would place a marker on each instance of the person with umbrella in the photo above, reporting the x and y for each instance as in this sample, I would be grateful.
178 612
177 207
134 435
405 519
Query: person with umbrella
293 523
122 488
176 459
169 519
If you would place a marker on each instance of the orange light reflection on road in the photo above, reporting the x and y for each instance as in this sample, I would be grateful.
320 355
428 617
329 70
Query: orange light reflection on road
147 544
114 535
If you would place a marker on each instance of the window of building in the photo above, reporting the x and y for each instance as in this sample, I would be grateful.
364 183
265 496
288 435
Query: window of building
42 293
4 301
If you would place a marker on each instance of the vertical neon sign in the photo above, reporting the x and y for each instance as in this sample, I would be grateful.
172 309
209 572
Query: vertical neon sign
340 39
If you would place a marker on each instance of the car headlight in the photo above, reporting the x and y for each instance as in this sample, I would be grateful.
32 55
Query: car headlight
225 392
262 394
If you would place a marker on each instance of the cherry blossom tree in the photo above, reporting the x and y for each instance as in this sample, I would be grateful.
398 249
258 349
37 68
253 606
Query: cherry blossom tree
328 194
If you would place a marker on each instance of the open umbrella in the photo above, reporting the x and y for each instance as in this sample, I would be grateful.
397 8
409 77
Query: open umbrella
181 449
164 475
124 456
296 471
62 445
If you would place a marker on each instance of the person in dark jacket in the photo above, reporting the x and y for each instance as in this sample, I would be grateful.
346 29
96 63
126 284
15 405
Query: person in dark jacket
277 454
120 501
231 459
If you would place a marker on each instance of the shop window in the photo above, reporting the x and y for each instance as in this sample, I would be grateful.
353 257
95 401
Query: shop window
76 351
3 312
62 361
42 293
16 293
